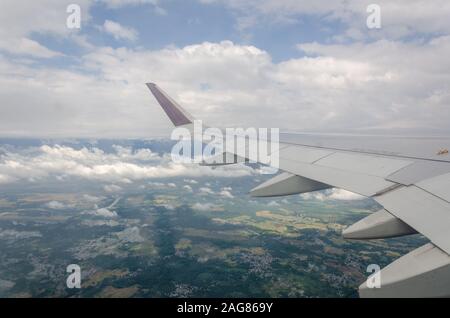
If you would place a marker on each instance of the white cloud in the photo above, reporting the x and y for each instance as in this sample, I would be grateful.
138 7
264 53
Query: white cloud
332 194
55 205
169 206
354 87
25 46
339 194
103 212
111 188
207 207
34 164
119 32
91 198
13 235
205 190
358 86
140 154
226 193
19 19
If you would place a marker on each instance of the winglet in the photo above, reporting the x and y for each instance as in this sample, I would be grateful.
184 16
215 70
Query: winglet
175 112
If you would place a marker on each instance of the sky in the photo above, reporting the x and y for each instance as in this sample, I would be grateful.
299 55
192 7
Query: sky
288 64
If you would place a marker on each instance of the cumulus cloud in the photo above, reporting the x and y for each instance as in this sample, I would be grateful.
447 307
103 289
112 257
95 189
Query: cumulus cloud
379 81
355 87
157 185
205 190
94 164
226 193
339 194
207 207
55 205
91 198
104 212
332 194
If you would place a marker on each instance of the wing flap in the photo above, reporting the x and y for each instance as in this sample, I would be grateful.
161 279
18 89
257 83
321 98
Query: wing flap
287 184
439 186
423 211
378 225
363 184
418 171
424 272
365 164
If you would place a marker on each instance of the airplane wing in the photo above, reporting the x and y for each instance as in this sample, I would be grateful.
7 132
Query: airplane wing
408 177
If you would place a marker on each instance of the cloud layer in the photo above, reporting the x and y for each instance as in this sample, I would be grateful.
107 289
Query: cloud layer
122 166
358 80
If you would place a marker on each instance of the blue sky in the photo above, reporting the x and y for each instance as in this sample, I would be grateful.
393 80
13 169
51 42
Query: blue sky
290 64
181 23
